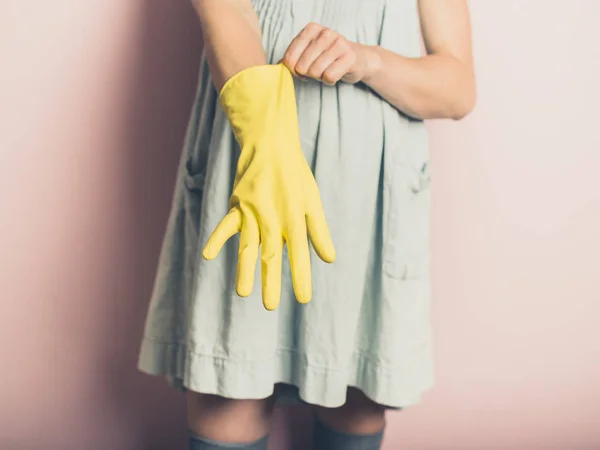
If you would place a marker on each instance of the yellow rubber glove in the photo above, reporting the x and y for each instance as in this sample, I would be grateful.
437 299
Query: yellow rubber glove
275 198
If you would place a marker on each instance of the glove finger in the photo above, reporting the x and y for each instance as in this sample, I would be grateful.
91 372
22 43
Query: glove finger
230 225
299 256
318 231
247 255
271 257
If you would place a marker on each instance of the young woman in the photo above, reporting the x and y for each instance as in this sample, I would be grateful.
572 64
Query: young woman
296 257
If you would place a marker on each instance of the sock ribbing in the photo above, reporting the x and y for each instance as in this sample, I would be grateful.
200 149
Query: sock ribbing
200 443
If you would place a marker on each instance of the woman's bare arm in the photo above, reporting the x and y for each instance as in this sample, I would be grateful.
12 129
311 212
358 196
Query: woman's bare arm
232 37
440 84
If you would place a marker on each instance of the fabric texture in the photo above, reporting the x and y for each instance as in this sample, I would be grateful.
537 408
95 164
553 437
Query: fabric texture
368 323
199 443
327 438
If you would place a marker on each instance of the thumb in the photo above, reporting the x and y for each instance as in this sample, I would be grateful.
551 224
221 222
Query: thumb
318 232
230 225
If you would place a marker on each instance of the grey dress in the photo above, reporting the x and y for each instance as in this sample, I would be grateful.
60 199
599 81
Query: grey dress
368 323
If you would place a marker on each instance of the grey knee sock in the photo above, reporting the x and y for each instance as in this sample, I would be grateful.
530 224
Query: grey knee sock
199 443
326 438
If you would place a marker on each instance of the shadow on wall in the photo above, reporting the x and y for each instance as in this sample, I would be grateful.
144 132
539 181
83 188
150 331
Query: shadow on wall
161 91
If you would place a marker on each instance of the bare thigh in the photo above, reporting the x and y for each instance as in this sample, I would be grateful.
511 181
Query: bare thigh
228 420
359 415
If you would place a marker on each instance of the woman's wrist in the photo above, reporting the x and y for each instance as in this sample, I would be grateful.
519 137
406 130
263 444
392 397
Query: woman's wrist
372 62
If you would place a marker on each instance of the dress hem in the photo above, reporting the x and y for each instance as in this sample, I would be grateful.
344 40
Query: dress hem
395 387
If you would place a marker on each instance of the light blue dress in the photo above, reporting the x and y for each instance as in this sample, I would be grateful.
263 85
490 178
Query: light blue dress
368 324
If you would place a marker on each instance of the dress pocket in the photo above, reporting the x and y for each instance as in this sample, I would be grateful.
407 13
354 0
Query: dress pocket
193 188
406 221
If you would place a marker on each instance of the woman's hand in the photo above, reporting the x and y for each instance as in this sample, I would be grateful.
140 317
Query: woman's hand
327 56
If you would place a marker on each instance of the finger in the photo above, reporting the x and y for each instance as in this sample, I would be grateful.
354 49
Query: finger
322 63
338 69
230 225
321 44
299 44
299 256
318 231
247 255
343 68
271 256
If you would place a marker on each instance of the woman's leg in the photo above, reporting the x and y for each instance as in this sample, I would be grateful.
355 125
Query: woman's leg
220 423
356 425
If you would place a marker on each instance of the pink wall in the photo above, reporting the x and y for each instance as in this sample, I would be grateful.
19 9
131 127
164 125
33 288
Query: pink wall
95 98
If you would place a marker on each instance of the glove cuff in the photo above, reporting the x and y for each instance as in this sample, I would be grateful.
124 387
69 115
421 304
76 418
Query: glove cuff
252 94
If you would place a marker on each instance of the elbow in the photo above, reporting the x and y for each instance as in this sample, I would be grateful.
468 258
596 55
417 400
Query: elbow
454 104
456 107
462 107
464 100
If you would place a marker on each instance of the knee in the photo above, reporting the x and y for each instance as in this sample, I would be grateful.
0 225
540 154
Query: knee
228 420
359 415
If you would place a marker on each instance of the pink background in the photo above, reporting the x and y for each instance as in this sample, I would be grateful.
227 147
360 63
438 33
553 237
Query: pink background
94 100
